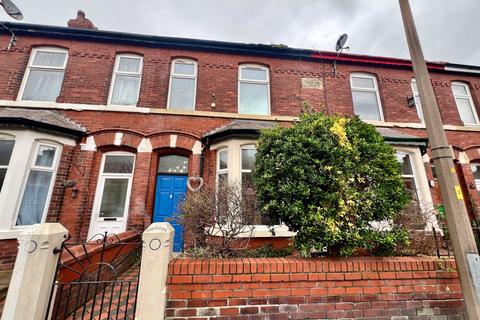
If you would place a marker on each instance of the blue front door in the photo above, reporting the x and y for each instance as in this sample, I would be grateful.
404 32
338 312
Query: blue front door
169 193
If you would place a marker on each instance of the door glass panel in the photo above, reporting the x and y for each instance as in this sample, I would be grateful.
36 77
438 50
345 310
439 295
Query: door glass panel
6 148
45 156
173 164
34 198
118 164
114 198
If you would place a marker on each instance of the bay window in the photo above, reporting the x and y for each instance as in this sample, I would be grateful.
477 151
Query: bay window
465 105
44 75
183 83
253 90
366 98
126 79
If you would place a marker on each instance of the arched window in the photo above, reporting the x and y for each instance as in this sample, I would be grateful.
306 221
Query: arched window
44 75
366 98
464 101
183 85
253 90
127 76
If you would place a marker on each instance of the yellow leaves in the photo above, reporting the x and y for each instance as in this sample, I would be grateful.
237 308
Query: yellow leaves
338 129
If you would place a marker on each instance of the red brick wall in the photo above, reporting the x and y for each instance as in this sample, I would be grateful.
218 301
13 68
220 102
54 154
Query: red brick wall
287 288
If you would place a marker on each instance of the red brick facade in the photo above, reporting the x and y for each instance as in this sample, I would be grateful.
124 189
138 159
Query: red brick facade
362 288
85 90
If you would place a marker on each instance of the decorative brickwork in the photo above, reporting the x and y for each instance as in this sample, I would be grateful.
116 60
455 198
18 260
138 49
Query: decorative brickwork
288 288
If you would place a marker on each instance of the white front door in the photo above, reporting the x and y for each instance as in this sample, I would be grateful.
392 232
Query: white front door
112 198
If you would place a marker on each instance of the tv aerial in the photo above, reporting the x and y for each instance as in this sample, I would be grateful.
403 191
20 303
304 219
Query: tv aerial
339 47
12 10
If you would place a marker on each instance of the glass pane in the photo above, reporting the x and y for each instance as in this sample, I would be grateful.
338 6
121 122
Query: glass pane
248 159
253 74
476 171
410 186
6 148
459 90
247 183
365 105
404 161
367 83
222 180
118 164
43 85
129 64
113 198
45 156
125 91
3 173
182 94
466 111
49 59
184 68
173 164
253 98
34 198
223 160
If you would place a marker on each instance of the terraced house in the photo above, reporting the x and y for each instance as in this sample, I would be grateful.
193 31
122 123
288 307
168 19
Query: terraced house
106 131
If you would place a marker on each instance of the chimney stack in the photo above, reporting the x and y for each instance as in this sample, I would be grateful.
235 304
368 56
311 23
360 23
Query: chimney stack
81 22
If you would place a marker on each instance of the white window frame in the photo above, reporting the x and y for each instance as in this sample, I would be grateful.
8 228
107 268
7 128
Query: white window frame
183 76
375 90
234 147
32 167
7 137
252 81
470 99
97 202
416 98
116 72
30 67
222 171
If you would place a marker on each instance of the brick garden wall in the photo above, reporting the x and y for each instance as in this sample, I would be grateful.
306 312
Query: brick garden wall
288 288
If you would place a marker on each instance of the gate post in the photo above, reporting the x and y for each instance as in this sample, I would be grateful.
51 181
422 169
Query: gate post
152 286
34 272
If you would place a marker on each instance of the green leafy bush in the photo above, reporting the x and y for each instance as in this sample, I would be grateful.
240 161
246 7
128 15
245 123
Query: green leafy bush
328 178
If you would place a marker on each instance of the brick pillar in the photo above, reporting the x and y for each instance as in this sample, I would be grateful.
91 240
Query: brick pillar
195 165
138 199
74 207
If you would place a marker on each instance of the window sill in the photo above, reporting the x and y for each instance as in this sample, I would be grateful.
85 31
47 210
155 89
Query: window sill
10 234
260 231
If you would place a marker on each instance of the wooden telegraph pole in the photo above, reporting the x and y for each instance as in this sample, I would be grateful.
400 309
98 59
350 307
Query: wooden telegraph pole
464 247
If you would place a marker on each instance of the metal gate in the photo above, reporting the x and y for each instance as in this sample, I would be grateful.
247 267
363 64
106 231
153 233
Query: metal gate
97 279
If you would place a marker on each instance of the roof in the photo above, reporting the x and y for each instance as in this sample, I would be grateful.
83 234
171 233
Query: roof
252 128
279 51
41 119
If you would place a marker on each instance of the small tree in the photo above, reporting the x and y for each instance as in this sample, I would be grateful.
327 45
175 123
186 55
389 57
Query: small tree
218 221
328 178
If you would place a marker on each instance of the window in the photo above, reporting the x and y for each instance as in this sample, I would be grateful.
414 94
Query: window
416 97
183 84
6 149
39 185
247 164
366 99
222 167
407 173
465 105
173 165
44 75
253 90
127 75
476 174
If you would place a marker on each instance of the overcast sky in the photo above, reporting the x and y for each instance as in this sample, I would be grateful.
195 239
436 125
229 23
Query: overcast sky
449 29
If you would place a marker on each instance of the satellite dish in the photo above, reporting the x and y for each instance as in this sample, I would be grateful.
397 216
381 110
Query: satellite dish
11 9
341 42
